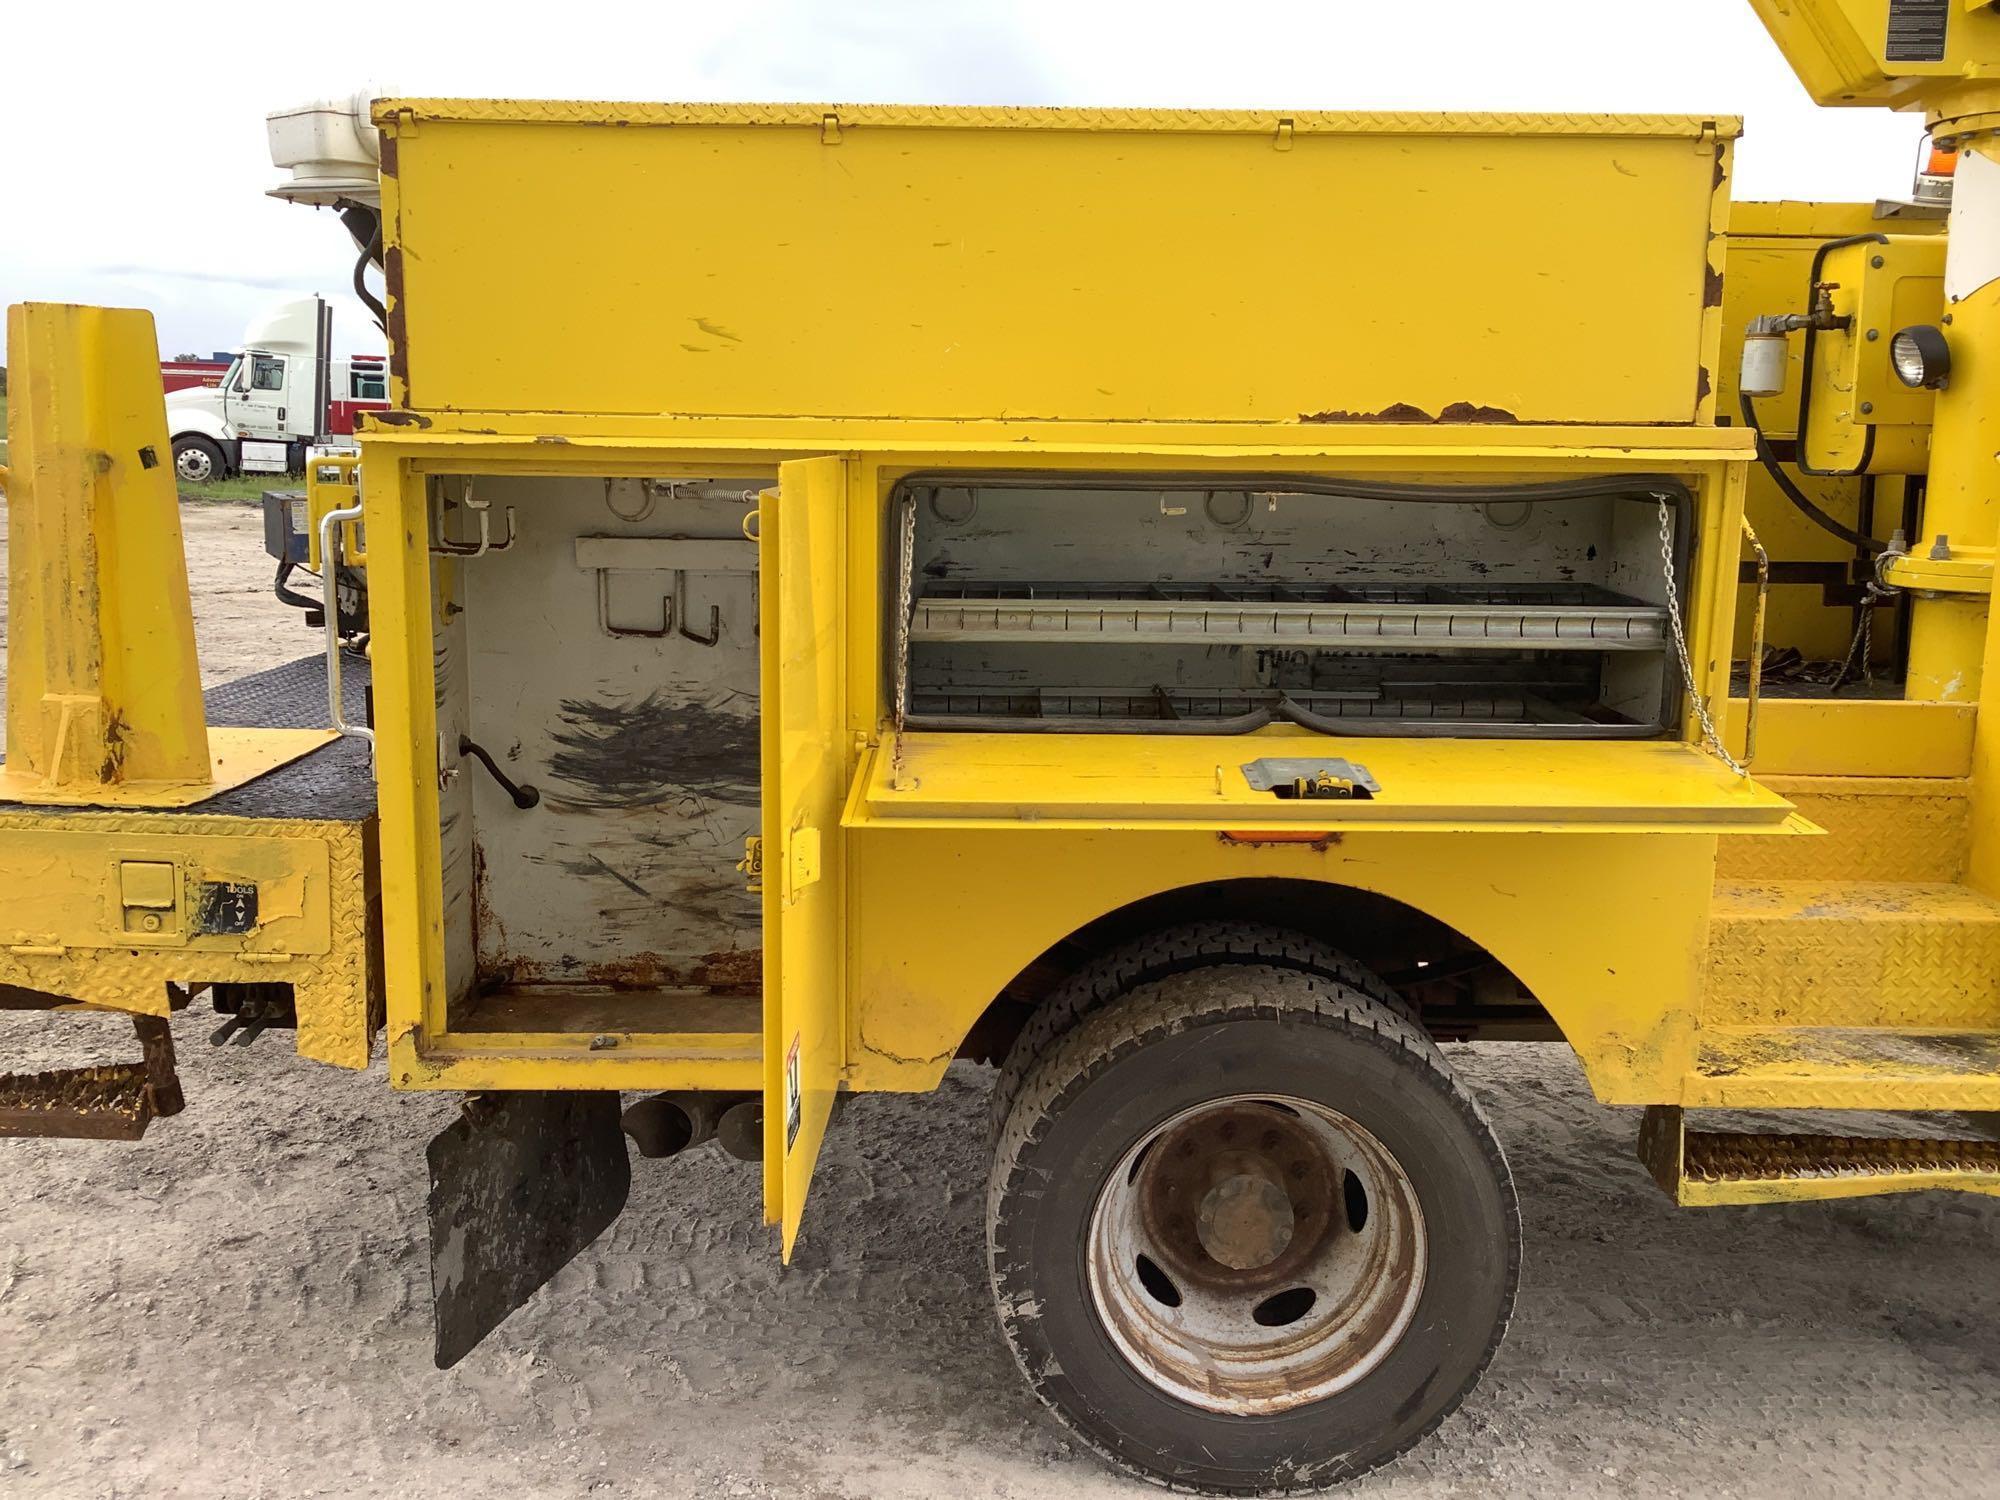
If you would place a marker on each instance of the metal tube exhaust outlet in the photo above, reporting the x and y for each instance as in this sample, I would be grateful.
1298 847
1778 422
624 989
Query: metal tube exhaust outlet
741 1129
668 1124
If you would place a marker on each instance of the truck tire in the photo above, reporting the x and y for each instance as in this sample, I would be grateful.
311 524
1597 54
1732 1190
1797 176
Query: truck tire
1170 951
198 461
1246 1234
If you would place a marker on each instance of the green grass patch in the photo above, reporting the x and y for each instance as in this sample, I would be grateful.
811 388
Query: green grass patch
235 491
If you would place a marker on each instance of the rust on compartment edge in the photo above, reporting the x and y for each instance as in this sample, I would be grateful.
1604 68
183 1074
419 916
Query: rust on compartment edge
1403 412
739 969
398 330
1712 288
1318 840
398 419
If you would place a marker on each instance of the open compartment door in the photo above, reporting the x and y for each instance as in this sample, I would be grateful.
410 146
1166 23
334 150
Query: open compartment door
805 781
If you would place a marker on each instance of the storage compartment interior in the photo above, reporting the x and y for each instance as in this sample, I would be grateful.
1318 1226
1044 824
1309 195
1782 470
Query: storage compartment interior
1125 605
603 652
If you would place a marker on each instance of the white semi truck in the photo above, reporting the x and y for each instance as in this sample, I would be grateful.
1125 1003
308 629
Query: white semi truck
283 393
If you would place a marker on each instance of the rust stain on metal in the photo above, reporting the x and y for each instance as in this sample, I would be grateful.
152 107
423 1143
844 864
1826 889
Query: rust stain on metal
114 747
1404 412
399 330
1702 385
397 419
1711 295
1315 840
740 969
387 155
1466 411
1399 411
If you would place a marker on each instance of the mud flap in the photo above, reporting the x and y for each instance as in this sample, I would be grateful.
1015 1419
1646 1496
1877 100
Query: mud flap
520 1182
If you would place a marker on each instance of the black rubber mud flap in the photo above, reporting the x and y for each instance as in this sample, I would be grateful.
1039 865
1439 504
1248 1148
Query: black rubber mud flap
520 1182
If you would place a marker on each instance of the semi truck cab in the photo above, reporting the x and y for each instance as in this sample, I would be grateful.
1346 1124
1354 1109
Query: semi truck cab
282 393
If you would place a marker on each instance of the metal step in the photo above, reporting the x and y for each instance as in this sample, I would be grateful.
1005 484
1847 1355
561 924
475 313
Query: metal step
1877 828
103 1102
1844 1067
1708 1168
1852 953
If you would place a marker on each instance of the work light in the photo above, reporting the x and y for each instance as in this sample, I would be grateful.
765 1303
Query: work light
1921 357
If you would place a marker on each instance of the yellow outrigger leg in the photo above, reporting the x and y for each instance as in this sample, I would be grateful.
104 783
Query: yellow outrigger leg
104 701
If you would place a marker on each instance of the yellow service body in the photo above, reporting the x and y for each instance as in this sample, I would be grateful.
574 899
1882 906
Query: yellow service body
1423 298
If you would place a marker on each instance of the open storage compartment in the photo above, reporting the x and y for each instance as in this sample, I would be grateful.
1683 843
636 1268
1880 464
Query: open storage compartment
1107 603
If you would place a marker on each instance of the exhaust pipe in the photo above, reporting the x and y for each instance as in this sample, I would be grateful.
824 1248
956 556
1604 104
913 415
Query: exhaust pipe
668 1124
740 1132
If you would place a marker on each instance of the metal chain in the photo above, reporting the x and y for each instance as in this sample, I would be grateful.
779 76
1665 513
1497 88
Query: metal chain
1708 731
905 605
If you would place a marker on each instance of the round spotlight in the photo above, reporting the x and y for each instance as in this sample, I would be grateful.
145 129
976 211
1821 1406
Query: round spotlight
1921 358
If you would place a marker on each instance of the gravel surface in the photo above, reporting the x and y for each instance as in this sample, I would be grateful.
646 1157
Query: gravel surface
237 1305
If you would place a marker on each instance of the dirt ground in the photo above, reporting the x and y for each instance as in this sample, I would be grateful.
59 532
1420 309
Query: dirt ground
237 1305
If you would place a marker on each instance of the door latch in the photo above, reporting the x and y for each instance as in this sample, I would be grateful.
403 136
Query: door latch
1312 778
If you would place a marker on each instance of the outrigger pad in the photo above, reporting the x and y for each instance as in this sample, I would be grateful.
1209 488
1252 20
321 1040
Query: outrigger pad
520 1182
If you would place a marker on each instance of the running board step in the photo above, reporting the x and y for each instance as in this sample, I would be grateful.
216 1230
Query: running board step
106 1102
1702 1169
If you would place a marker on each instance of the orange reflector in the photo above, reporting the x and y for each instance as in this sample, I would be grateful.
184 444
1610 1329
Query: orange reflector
1940 162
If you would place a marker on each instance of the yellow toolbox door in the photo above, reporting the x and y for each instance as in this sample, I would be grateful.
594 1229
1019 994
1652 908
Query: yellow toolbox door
804 784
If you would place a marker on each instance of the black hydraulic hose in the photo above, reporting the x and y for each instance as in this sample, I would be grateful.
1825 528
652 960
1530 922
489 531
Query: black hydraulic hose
289 596
371 251
1796 495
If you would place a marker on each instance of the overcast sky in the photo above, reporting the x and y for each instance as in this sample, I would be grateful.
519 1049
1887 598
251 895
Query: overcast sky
135 166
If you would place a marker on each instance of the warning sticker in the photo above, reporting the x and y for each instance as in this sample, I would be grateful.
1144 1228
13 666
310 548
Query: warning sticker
794 1108
1918 30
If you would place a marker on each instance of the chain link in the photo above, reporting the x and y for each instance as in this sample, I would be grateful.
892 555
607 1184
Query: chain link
1708 731
905 604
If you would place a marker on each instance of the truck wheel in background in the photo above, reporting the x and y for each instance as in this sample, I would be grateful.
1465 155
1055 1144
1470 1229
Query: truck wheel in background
1246 1234
198 461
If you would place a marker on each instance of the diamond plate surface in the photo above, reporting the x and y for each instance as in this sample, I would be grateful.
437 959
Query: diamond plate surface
1853 953
1029 117
1877 828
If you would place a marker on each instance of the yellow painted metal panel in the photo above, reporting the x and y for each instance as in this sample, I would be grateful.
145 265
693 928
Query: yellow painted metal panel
62 929
941 262
1842 737
63 887
1608 931
805 781
1196 781
1842 49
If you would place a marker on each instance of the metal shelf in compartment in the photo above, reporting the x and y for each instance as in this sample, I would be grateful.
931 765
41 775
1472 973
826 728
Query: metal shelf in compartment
1459 616
1440 707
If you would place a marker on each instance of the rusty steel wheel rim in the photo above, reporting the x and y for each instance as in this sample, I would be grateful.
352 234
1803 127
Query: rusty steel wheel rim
1256 1253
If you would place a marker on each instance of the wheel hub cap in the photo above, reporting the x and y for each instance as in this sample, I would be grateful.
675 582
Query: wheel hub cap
1256 1253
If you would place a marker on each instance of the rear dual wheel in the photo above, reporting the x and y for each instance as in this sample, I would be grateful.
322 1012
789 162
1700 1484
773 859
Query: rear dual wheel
1246 1234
